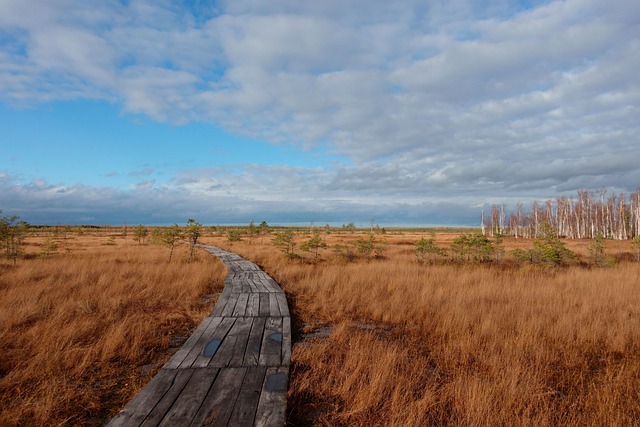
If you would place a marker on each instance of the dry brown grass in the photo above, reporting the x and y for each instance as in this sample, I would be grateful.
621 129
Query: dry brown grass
409 344
78 328
459 345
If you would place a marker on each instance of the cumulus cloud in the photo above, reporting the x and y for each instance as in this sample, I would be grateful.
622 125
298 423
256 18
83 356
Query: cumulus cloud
432 100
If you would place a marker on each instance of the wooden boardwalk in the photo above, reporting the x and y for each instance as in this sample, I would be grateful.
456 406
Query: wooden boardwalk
234 369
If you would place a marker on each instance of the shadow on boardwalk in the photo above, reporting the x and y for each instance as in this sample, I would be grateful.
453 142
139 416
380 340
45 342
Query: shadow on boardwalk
233 370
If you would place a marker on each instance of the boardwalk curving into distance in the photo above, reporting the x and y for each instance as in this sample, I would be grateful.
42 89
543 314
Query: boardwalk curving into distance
233 370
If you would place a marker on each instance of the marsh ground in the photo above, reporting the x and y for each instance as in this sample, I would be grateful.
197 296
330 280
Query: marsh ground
82 329
377 341
392 342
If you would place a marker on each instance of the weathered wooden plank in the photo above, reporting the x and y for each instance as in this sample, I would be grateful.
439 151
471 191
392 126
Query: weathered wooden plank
282 303
183 351
143 403
241 305
231 351
260 274
268 284
259 287
271 348
252 353
236 284
244 264
272 284
274 307
286 340
240 348
214 339
164 404
273 398
223 298
231 305
244 411
248 265
264 304
190 399
253 305
196 349
251 285
217 407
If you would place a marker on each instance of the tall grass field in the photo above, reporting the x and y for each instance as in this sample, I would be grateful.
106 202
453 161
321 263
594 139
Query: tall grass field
389 341
83 329
380 338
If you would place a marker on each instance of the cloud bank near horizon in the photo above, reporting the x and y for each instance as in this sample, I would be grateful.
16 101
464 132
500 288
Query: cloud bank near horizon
435 104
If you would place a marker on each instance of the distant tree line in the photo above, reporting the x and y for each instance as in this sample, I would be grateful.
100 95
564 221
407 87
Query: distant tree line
590 214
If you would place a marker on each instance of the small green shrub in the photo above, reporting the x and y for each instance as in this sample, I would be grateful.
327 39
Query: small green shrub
473 247
284 241
366 247
314 244
234 235
427 251
548 250
597 254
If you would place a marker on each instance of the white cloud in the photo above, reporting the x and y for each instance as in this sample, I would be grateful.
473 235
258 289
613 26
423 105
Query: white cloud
427 99
222 198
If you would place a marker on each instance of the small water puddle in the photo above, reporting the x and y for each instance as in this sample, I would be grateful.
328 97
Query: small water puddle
276 382
276 337
212 347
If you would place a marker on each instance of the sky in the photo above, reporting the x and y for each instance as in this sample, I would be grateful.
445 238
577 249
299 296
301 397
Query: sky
293 111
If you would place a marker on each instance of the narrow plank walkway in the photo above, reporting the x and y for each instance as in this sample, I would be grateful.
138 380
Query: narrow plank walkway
234 369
